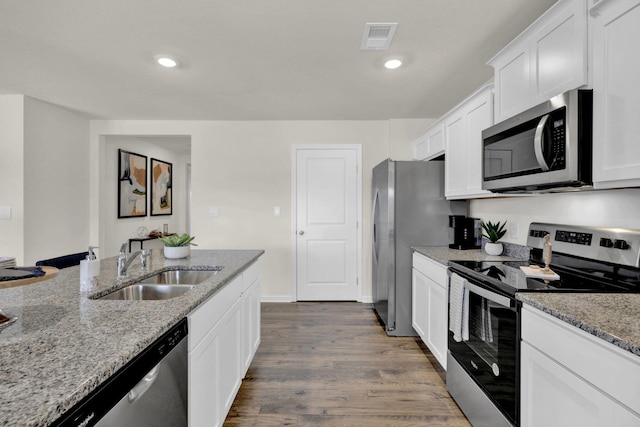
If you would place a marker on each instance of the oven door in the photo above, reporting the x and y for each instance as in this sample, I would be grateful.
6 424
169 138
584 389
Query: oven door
487 345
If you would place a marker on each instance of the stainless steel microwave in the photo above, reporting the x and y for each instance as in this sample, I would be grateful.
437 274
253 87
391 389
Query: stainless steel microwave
545 148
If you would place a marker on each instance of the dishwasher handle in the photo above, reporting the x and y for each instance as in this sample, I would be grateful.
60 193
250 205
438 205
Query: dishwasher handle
145 384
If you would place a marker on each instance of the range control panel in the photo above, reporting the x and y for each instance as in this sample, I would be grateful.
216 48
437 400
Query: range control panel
616 245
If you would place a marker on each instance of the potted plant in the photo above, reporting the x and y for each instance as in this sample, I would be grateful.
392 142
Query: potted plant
493 232
177 246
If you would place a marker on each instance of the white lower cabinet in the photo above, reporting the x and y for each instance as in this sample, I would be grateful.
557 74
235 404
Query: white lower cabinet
224 333
571 378
430 305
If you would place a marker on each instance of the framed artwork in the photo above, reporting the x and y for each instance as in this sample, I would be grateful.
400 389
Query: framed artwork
132 184
161 187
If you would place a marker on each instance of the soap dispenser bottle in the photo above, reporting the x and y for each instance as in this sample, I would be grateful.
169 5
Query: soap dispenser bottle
90 266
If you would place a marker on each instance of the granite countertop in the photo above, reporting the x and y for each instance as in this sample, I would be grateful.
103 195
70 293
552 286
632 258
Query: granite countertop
613 317
443 254
64 344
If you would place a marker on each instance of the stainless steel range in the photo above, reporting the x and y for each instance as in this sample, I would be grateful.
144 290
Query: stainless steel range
484 314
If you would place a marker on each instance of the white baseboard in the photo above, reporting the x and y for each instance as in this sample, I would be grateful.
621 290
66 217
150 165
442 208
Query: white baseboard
282 298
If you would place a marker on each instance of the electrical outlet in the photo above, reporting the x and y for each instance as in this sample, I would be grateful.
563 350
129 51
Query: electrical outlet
213 211
276 211
513 228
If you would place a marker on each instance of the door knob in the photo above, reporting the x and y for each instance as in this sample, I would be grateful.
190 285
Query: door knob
301 232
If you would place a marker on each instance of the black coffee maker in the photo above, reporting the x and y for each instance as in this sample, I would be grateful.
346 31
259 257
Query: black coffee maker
466 232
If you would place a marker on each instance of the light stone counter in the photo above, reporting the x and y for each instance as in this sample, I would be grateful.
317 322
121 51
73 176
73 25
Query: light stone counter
613 317
444 254
64 344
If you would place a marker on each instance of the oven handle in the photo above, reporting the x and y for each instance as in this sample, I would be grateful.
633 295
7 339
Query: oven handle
538 143
498 299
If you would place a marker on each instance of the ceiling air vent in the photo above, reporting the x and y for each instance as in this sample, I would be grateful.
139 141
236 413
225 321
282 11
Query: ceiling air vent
378 36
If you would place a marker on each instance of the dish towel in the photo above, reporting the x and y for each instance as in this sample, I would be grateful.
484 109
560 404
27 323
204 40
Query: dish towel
458 308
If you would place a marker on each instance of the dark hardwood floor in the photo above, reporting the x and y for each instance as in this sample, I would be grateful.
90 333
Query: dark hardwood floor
331 364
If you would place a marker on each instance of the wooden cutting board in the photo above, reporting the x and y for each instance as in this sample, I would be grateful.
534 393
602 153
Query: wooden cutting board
49 272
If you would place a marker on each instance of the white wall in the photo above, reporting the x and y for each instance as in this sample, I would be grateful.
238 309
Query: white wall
605 208
56 185
11 175
244 169
121 229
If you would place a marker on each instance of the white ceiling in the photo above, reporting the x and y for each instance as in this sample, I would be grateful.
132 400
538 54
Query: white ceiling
253 59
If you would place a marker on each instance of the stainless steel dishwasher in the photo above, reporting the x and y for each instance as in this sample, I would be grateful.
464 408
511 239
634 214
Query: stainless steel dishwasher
150 391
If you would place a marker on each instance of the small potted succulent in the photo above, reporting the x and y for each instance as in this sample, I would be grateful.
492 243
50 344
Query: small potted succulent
177 246
493 232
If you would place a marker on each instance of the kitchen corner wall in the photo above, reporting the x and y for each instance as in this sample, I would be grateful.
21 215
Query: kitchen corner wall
44 171
243 168
603 208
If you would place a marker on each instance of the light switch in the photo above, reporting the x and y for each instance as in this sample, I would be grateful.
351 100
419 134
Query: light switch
276 211
213 211
5 212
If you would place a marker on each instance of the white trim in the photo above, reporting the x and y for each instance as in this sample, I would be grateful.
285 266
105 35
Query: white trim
279 299
294 240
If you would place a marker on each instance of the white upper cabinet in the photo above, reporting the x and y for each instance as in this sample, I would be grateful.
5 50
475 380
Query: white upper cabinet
616 93
430 144
547 59
463 128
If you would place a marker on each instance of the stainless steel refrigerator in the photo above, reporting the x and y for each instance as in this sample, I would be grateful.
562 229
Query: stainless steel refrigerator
409 209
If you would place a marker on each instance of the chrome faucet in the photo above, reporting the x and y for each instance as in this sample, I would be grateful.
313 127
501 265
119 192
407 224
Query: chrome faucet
123 262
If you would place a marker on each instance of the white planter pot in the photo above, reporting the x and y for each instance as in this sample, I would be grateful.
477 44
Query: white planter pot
493 248
176 252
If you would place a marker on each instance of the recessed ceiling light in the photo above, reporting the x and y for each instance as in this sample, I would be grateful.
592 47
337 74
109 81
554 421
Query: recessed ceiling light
392 64
166 61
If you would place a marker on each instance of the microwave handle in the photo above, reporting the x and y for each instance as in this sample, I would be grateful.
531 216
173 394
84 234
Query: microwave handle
538 143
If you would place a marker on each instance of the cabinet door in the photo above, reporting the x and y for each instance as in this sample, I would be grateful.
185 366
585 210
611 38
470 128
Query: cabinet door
545 60
430 144
559 52
419 304
552 396
512 71
437 307
616 94
250 324
464 159
204 382
230 359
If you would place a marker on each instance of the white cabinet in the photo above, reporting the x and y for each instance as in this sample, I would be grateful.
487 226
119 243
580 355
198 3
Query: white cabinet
429 305
224 333
548 58
430 144
463 145
570 377
250 307
616 93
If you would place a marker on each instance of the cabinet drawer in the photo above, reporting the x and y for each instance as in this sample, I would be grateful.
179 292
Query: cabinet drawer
203 318
432 269
611 369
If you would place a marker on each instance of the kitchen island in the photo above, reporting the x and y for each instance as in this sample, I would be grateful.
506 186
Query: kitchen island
65 343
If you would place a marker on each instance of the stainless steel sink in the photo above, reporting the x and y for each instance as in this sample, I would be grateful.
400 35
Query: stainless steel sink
139 292
164 285
179 277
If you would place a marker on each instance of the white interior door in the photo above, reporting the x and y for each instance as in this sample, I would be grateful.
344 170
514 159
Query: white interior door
326 224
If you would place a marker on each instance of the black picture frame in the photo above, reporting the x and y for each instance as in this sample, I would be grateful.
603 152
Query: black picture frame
161 187
132 184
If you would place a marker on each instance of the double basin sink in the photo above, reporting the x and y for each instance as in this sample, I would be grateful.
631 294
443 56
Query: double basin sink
162 286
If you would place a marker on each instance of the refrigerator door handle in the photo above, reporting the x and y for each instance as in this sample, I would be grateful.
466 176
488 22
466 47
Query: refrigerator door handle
375 234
